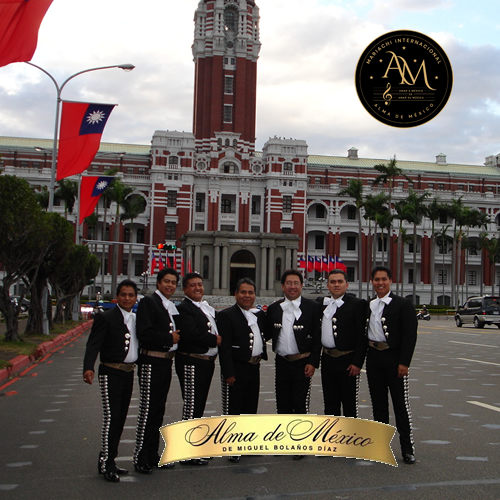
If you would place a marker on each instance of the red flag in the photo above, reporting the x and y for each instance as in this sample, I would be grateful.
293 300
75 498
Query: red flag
302 263
91 190
82 125
324 265
331 263
310 263
182 265
154 263
167 260
19 24
340 265
317 263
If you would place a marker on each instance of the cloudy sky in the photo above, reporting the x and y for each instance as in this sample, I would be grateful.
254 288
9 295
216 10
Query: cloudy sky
305 73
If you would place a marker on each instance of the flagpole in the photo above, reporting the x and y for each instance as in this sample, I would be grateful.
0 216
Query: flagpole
125 67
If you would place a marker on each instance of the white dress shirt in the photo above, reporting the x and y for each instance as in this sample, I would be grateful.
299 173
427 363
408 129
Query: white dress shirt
133 345
172 311
286 339
209 312
375 327
257 345
327 333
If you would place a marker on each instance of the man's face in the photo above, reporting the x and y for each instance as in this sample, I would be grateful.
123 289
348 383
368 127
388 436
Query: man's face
337 285
292 287
194 289
126 298
245 296
381 283
167 285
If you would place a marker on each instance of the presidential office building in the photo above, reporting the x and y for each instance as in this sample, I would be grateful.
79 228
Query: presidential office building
235 212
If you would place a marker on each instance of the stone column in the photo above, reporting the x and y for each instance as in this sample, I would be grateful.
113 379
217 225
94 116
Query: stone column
288 258
263 270
216 267
197 259
272 269
225 267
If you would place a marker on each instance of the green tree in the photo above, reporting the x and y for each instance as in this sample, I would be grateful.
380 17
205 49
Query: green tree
492 247
355 190
416 211
67 191
118 192
20 240
57 239
133 206
71 276
402 215
42 197
433 212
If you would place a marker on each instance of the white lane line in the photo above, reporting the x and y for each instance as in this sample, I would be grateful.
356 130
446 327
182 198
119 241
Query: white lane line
477 361
484 405
470 343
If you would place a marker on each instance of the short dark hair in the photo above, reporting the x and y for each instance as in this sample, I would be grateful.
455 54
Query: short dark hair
167 270
292 272
338 271
127 282
190 276
376 269
244 281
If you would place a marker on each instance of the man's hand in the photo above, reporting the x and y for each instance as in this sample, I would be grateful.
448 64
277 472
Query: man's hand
176 336
230 380
219 340
88 376
309 370
353 370
402 371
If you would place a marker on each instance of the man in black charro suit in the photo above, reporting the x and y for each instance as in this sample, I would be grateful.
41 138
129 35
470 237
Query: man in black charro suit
158 334
294 326
198 349
113 338
392 335
344 346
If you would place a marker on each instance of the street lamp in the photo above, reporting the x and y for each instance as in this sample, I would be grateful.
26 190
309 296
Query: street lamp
125 67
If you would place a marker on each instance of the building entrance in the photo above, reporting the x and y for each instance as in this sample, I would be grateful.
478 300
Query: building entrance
242 265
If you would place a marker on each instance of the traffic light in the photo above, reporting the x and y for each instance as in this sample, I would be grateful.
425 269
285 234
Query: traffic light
163 246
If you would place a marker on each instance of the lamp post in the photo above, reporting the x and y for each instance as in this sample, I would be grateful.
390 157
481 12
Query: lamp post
59 88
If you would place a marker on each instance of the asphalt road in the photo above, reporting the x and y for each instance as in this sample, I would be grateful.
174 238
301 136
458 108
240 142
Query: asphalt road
50 431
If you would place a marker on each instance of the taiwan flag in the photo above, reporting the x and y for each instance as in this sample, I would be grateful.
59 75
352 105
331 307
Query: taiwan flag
339 264
82 125
19 24
154 262
317 263
302 263
324 266
310 263
91 190
331 263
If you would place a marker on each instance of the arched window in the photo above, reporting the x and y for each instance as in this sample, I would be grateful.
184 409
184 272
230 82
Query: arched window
173 160
229 167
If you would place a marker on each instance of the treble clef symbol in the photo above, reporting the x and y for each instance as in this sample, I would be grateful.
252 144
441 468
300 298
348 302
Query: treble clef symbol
386 96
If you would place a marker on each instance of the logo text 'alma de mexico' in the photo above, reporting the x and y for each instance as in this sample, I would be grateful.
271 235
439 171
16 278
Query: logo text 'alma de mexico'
404 78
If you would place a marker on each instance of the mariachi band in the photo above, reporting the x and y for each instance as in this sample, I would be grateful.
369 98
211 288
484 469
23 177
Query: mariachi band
334 334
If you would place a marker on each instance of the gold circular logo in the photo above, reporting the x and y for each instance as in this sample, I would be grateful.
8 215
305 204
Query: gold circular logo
404 79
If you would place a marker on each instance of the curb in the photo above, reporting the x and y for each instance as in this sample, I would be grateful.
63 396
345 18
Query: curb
23 361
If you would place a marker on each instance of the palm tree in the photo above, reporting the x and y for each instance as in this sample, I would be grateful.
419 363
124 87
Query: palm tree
388 174
42 197
384 220
482 244
133 206
68 192
493 251
433 212
442 240
118 192
401 208
416 210
355 190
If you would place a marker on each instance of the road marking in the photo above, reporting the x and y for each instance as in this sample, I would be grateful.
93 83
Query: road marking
477 361
470 343
484 405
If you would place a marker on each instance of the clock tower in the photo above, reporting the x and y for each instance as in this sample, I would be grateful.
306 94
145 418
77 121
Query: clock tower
225 50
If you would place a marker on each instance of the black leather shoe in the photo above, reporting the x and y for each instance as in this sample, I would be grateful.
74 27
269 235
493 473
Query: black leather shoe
113 477
143 469
194 461
298 457
171 465
235 459
120 471
408 458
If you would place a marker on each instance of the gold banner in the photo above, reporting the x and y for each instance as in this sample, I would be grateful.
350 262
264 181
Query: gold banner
277 435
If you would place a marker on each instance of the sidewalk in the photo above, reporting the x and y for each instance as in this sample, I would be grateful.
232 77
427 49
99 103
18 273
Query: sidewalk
23 361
